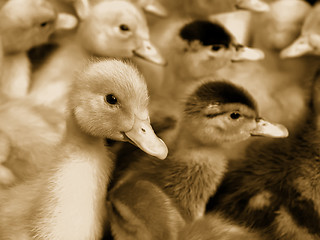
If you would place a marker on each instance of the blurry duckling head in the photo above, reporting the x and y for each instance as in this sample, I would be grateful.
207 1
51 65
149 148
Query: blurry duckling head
109 99
117 29
25 24
208 46
221 112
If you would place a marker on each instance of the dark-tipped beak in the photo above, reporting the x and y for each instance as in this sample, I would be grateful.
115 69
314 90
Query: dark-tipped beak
148 52
268 129
143 136
253 5
156 8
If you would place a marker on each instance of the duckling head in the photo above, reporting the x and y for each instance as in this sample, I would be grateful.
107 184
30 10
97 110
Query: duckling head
109 99
25 24
208 46
221 112
117 29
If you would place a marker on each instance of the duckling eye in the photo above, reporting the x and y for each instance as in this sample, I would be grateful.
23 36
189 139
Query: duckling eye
235 115
216 47
43 24
124 27
111 99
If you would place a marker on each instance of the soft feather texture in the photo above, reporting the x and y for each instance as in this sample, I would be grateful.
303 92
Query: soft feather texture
275 189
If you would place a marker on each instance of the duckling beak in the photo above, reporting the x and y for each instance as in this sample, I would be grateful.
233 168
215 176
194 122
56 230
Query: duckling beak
253 5
65 21
268 129
148 52
156 8
143 136
299 47
248 54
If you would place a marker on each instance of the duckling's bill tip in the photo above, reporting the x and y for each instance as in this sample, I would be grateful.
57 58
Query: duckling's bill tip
268 129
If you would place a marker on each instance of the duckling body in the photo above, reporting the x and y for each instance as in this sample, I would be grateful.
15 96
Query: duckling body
66 200
191 172
275 190
112 29
33 21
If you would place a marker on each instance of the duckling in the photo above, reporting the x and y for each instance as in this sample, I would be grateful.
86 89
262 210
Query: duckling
153 199
196 49
309 40
67 199
23 25
204 8
275 189
112 29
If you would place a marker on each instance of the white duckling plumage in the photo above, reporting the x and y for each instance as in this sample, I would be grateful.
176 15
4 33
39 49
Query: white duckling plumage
112 29
172 192
23 25
67 200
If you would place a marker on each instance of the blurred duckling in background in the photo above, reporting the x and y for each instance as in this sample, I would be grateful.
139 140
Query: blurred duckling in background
275 189
112 29
216 116
309 40
278 84
67 199
23 25
204 8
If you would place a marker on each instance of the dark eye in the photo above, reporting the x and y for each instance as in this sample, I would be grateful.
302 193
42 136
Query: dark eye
216 47
235 115
124 27
43 24
111 99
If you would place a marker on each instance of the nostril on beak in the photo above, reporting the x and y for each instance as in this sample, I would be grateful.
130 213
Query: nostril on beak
143 130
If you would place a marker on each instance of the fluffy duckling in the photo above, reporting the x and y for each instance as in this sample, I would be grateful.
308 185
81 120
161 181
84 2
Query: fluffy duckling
195 49
153 199
204 8
67 199
309 40
275 190
111 29
23 25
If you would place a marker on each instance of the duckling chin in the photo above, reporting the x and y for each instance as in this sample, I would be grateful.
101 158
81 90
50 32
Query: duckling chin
25 24
216 115
275 189
67 199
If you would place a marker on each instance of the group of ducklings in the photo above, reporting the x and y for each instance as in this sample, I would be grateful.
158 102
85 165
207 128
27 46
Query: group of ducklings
78 78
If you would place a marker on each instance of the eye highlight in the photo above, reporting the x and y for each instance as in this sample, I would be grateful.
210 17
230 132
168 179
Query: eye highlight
235 115
124 27
111 99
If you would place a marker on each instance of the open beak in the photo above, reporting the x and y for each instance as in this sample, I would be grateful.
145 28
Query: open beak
268 129
143 136
248 54
148 52
156 8
253 5
299 47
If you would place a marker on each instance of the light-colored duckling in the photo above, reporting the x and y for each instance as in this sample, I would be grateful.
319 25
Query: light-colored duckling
204 8
275 189
112 29
67 199
309 40
23 25
153 199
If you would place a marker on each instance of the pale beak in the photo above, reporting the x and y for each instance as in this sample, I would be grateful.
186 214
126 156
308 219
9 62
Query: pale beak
253 5
246 53
148 52
143 136
268 129
298 48
65 21
156 8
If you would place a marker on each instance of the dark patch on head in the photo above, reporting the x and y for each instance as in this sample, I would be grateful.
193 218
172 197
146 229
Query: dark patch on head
206 32
312 2
218 93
